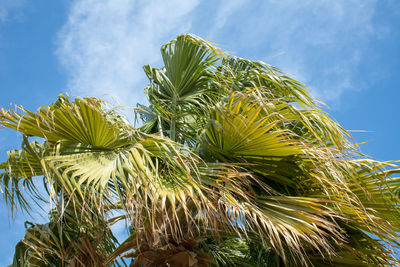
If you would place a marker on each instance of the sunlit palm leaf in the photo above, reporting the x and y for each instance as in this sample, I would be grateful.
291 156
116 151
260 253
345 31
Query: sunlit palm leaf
18 172
229 148
82 121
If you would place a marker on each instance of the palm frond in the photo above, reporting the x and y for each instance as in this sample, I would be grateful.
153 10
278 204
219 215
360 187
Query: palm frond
18 174
228 147
82 121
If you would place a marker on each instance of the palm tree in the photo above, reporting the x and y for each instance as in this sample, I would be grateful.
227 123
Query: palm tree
233 163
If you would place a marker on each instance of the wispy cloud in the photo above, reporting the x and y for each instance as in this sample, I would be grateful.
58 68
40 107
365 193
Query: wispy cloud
320 42
9 8
224 13
104 44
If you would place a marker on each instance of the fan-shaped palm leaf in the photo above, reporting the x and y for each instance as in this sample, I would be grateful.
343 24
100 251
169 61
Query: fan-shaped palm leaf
229 148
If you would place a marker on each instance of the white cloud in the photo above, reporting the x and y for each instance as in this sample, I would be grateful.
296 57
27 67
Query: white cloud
8 9
104 44
319 42
225 11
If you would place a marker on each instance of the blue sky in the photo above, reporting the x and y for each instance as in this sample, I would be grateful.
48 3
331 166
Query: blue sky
347 52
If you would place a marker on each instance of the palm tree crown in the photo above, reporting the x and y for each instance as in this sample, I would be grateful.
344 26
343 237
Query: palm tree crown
233 163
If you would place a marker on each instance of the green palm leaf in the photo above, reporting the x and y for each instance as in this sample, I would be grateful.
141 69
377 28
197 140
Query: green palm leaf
232 156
